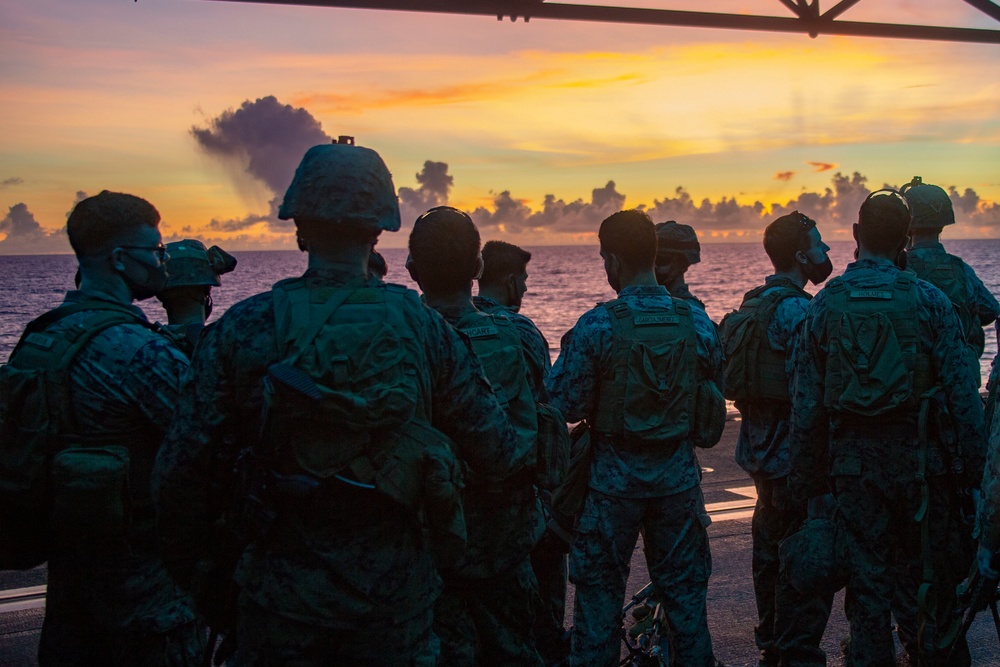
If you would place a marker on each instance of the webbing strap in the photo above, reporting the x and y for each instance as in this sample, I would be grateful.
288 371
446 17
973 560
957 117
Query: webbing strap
316 323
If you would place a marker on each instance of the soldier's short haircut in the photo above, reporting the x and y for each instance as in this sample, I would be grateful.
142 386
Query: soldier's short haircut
786 236
883 221
444 248
98 223
631 236
501 259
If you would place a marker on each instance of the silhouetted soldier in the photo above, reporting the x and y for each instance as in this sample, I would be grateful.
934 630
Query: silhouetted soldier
758 340
882 378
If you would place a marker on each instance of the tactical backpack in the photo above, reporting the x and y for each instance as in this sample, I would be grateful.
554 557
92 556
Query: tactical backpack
874 363
947 273
553 442
755 371
497 345
44 470
341 405
647 391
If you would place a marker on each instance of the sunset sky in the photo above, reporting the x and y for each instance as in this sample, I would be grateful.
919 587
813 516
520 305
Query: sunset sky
204 108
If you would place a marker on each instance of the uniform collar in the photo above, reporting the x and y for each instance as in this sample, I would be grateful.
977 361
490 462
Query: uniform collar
645 290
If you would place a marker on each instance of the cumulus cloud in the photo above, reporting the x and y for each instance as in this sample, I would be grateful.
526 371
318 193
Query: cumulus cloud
513 216
11 182
784 175
435 184
26 237
264 141
822 166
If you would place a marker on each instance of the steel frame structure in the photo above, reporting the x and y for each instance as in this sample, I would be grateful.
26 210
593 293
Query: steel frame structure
808 18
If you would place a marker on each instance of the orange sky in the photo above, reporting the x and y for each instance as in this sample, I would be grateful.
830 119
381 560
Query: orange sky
103 95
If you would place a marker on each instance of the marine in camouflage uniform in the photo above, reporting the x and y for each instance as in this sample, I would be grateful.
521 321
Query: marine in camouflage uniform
988 516
345 576
677 250
502 287
656 489
932 211
192 271
874 464
486 612
110 601
790 625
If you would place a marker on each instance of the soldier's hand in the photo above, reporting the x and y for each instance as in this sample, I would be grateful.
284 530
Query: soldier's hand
988 563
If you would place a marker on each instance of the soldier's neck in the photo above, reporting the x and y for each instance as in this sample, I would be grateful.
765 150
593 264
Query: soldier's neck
349 259
106 287
794 274
634 279
496 294
188 313
453 302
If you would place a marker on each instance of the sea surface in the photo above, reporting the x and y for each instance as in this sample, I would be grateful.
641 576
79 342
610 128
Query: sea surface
563 282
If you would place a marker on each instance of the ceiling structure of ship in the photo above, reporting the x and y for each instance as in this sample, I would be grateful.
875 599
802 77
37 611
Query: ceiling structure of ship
806 16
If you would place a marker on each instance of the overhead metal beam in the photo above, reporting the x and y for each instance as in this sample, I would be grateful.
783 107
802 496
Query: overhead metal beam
986 7
808 22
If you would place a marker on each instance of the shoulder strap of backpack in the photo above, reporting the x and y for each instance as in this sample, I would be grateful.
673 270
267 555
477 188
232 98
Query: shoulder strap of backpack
46 320
281 297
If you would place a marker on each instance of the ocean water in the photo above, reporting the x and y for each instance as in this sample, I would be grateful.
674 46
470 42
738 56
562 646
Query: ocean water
563 282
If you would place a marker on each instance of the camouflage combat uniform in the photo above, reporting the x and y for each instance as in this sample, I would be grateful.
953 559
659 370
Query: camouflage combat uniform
110 603
790 626
681 291
548 559
657 490
982 306
988 528
487 609
872 464
348 579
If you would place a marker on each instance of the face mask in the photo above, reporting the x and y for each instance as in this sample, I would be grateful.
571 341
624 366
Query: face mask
817 273
208 303
145 280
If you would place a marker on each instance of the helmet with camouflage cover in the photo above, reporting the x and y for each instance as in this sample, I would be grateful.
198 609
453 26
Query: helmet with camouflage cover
674 238
190 263
343 183
930 205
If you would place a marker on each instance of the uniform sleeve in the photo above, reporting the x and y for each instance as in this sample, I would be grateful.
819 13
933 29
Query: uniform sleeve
464 407
787 318
157 375
572 384
711 358
987 308
958 377
810 438
989 507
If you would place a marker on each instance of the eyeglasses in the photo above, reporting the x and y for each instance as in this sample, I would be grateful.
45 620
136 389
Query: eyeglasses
159 250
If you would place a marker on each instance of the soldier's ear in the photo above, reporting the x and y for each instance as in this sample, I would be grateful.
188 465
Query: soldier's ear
412 270
115 258
479 266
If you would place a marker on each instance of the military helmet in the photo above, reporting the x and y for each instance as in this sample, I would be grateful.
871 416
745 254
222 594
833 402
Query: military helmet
930 205
191 263
676 238
339 183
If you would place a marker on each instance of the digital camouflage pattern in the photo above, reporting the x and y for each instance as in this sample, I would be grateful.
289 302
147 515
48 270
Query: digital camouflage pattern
493 587
871 464
988 528
679 561
762 444
680 290
358 558
981 306
790 625
548 559
657 489
536 348
113 603
573 385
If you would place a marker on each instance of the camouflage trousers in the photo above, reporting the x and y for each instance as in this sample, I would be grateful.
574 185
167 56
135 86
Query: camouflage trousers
266 639
790 625
679 562
488 623
880 544
548 560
